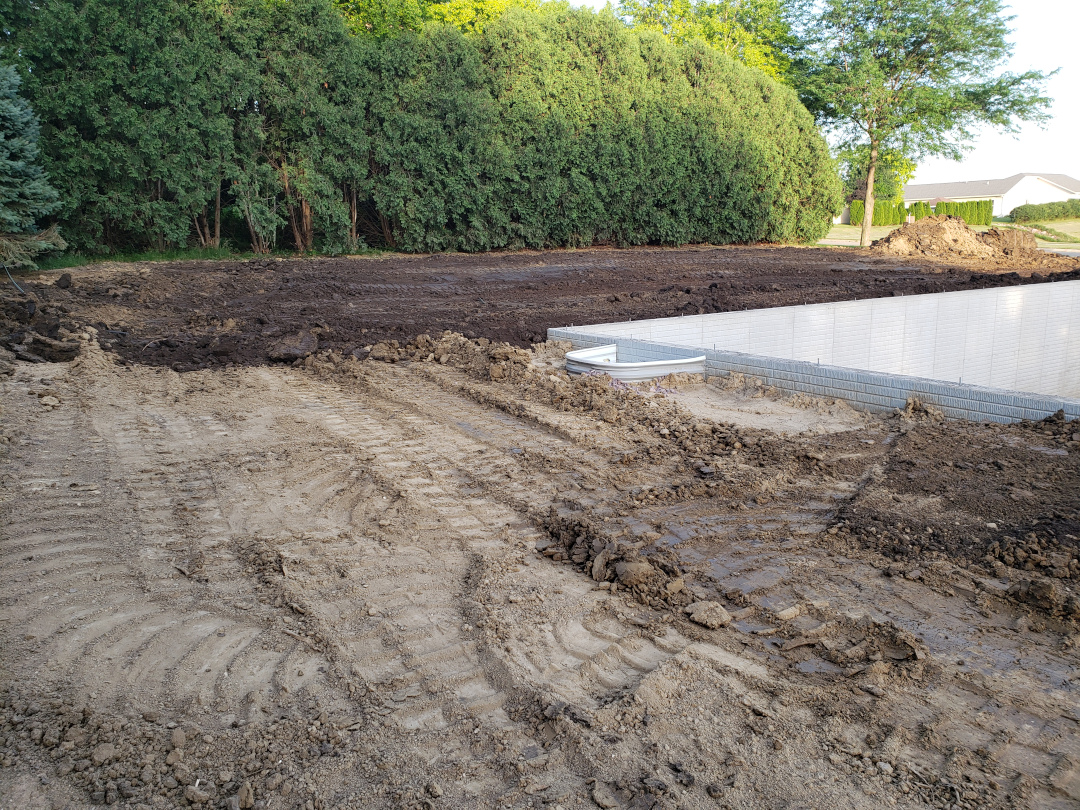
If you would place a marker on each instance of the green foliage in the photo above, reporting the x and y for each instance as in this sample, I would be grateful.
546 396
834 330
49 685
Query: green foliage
894 171
920 210
1043 232
170 124
916 77
858 211
1047 212
973 212
391 18
25 193
755 32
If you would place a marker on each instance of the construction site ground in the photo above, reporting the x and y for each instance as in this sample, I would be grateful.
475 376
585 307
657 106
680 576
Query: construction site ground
256 553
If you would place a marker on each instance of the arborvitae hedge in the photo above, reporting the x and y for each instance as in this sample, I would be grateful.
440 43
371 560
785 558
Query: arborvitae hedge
1046 212
858 209
973 212
161 118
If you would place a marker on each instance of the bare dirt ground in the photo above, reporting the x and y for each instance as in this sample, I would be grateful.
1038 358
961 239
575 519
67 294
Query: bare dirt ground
460 579
190 315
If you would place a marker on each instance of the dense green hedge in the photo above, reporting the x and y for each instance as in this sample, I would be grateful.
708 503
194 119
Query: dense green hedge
165 122
920 210
885 212
975 212
978 212
1069 209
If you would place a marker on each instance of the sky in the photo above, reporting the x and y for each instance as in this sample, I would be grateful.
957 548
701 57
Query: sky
1045 37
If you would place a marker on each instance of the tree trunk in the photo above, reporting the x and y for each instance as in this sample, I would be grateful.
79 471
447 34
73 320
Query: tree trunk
868 214
199 231
217 217
350 198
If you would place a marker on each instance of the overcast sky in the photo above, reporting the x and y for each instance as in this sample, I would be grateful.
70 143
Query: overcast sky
1046 35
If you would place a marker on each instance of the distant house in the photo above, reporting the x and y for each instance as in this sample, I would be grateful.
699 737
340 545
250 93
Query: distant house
1007 194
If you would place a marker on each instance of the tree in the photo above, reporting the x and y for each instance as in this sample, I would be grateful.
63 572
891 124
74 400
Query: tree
754 32
914 76
25 193
135 125
894 171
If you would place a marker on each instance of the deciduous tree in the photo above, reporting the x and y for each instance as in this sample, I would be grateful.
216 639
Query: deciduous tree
914 76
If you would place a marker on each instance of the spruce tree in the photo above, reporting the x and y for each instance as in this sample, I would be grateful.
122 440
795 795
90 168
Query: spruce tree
25 193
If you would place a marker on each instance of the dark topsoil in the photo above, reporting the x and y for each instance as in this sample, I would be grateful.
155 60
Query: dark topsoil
196 314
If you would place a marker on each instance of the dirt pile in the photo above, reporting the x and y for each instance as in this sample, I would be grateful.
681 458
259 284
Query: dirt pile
948 237
190 315
1010 242
942 237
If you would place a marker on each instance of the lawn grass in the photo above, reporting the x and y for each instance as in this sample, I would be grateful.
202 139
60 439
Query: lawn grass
851 233
1069 226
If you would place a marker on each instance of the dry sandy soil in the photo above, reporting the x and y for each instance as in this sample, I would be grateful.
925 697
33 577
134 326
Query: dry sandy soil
448 576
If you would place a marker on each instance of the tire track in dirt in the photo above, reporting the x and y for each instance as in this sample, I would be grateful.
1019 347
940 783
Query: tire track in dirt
435 451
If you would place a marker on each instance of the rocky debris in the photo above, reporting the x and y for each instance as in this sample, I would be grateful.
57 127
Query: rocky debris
35 333
655 580
603 797
633 572
712 615
1046 594
294 347
64 281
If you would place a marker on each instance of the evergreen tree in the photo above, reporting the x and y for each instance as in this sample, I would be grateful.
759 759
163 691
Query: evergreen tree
25 193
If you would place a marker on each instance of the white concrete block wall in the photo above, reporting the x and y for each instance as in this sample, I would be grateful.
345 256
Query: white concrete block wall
1023 338
873 391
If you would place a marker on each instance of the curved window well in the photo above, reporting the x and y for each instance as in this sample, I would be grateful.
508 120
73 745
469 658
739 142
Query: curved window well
606 359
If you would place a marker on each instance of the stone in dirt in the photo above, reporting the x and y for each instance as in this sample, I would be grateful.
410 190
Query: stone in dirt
633 573
105 752
246 797
178 738
293 347
708 614
64 281
603 797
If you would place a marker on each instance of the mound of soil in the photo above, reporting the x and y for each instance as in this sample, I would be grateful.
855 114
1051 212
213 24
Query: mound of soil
950 237
1010 242
935 236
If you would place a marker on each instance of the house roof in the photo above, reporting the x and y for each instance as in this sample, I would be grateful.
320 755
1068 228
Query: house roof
984 188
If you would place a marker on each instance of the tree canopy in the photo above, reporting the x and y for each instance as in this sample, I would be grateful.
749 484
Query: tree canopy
755 32
913 76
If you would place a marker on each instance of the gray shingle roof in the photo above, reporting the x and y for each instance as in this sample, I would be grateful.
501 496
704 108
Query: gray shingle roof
983 188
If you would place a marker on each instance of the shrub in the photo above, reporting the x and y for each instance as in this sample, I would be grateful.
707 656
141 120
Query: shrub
1068 209
552 127
858 208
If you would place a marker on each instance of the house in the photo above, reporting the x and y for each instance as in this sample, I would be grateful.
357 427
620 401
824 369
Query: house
1007 194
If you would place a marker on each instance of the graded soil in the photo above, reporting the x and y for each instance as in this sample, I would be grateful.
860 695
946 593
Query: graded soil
443 574
206 314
